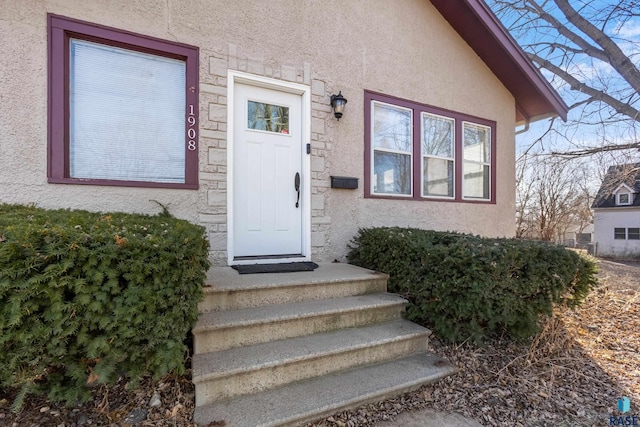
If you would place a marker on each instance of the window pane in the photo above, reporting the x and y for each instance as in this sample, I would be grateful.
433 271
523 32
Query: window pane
623 198
392 173
476 181
437 136
619 233
127 114
633 234
437 177
272 118
476 142
391 127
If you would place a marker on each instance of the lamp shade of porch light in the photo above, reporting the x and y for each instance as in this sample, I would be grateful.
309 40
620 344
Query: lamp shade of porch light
337 103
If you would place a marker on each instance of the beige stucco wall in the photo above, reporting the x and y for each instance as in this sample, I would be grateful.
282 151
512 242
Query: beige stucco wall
402 48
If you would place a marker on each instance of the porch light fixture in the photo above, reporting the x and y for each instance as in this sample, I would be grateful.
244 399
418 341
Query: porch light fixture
337 103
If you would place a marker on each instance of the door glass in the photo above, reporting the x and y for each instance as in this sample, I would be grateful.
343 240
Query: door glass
268 117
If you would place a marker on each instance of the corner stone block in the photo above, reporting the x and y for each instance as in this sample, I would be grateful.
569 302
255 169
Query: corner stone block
317 201
218 67
289 73
217 113
217 241
318 239
317 125
317 164
216 198
217 156
317 88
255 66
306 77
212 218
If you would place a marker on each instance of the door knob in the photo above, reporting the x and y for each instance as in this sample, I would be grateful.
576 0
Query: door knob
296 183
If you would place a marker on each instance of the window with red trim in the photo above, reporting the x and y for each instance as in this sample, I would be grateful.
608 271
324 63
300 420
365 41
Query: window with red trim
420 152
123 107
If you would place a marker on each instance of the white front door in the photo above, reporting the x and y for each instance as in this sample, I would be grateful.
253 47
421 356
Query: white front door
267 173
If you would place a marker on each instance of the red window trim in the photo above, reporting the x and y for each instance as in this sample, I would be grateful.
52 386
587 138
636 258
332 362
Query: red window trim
418 108
60 29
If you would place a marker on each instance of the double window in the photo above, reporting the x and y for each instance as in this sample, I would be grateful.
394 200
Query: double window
123 107
621 233
416 151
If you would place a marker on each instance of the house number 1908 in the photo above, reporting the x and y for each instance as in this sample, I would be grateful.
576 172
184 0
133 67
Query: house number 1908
191 130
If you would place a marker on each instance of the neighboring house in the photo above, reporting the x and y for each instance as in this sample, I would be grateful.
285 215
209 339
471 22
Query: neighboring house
617 212
578 236
212 108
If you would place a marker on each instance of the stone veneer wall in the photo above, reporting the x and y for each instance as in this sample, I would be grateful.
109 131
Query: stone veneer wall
212 204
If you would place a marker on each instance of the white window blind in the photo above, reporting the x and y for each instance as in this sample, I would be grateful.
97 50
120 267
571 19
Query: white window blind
127 114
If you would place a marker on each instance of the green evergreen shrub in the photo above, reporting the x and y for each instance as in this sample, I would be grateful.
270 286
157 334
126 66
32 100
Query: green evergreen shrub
468 287
88 297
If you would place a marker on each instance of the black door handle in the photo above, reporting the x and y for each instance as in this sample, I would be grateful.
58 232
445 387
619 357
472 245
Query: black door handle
296 183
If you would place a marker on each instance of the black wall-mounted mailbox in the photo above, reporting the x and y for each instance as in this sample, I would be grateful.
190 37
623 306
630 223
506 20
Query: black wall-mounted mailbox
344 182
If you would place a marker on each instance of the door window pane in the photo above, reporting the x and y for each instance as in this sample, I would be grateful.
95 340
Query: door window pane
267 117
392 173
127 114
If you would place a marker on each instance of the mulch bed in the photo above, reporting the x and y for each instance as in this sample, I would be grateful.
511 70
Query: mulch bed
570 374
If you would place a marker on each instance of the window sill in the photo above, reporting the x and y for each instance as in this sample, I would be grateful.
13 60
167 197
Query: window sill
430 199
116 183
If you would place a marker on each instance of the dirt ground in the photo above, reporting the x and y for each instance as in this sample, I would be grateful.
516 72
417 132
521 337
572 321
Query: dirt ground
571 374
619 275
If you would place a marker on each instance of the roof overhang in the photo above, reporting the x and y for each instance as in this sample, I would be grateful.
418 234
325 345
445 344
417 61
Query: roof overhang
481 29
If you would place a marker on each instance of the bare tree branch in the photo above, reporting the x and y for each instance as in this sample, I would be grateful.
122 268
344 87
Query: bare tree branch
599 149
582 50
613 54
565 31
596 95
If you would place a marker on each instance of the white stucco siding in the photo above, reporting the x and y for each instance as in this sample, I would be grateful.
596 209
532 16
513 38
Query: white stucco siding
402 48
605 221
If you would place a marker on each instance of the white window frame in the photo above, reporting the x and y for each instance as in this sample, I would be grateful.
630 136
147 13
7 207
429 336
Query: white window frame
488 128
635 233
424 156
387 150
620 202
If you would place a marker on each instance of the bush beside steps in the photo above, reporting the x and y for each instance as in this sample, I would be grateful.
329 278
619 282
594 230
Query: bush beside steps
86 298
467 287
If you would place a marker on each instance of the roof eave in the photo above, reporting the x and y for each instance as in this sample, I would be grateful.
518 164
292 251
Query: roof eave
481 29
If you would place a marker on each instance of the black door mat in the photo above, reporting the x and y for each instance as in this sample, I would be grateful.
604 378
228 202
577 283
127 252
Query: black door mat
287 267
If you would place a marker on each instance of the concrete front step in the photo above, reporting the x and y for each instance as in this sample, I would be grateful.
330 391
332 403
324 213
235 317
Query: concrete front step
251 369
222 330
228 290
307 400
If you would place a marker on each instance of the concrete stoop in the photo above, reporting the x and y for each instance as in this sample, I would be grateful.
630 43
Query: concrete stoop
285 349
